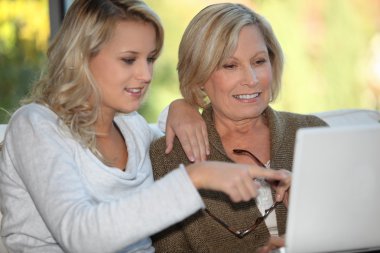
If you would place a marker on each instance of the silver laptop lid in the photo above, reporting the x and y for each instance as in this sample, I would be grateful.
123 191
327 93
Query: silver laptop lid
335 194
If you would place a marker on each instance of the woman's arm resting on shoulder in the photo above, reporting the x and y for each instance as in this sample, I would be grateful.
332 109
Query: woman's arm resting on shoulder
185 122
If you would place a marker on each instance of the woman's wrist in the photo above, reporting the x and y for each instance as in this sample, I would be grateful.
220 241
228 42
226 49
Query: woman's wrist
193 172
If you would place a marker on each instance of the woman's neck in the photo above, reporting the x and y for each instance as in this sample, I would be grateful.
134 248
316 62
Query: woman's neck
111 143
104 124
228 127
252 135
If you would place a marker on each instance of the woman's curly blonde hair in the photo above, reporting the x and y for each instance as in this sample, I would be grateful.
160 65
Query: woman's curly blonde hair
67 86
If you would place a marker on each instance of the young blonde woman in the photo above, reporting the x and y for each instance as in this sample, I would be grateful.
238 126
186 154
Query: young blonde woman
75 173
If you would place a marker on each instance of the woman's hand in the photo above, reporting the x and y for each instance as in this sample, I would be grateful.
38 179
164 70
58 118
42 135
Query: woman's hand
185 122
282 188
274 242
235 180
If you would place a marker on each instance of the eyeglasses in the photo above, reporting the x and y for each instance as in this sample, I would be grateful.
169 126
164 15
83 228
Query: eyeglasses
246 152
240 233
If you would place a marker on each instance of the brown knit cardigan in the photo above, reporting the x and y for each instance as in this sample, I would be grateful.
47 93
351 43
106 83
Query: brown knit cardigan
199 232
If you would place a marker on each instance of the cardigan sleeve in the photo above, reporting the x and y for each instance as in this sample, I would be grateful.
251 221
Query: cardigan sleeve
172 239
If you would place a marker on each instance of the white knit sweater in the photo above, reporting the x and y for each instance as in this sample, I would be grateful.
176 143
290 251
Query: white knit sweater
56 196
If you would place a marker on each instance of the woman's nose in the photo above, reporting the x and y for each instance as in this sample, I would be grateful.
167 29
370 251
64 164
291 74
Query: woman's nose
250 76
144 72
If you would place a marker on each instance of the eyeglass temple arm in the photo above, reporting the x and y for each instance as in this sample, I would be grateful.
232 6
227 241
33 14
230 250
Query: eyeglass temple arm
270 209
246 152
232 230
242 233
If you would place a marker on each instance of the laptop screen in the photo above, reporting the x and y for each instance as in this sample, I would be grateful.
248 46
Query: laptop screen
335 193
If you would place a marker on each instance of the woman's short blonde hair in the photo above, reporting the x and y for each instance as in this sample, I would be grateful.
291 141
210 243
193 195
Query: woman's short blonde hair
211 37
67 86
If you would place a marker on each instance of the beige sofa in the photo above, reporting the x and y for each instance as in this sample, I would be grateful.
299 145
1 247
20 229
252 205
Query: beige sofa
333 118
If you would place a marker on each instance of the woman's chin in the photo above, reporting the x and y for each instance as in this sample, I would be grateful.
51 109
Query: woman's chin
130 108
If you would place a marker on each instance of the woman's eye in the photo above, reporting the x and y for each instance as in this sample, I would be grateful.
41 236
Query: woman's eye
261 61
129 61
229 66
151 59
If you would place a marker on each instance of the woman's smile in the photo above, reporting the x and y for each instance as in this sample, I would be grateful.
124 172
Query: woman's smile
247 97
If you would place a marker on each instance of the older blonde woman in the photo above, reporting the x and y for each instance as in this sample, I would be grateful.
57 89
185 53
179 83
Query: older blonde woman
230 64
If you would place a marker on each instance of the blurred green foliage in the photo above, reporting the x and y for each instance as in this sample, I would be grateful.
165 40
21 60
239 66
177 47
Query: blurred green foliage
326 45
24 32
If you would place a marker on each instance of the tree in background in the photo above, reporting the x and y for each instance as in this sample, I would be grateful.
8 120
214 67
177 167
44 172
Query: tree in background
24 32
325 43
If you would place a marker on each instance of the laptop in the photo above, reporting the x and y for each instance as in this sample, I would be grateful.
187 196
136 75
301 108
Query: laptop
335 194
